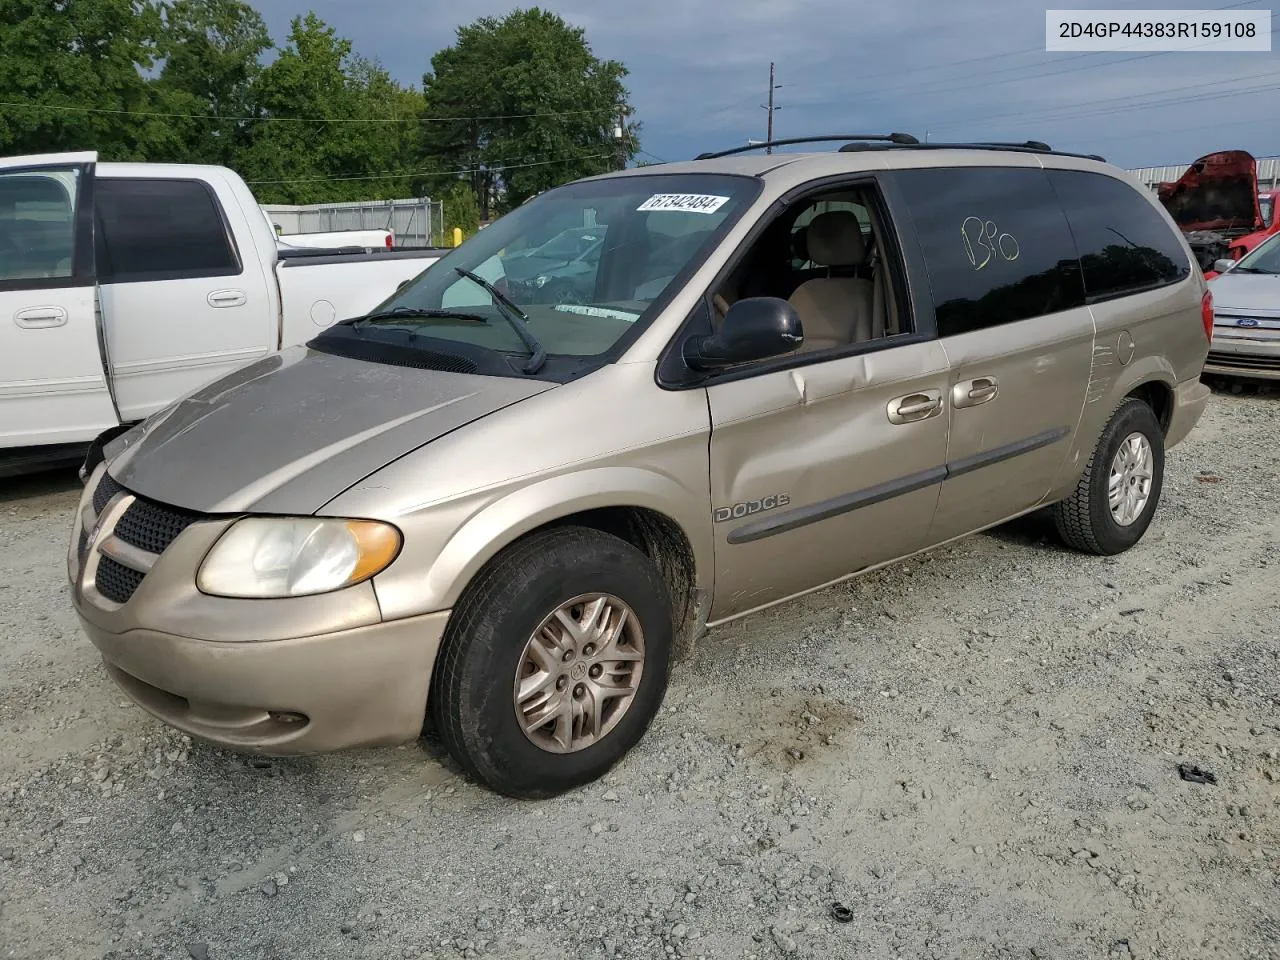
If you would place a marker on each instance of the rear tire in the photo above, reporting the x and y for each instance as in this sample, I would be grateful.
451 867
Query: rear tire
540 618
1116 497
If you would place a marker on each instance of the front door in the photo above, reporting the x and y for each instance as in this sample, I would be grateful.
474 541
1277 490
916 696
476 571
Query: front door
53 382
828 461
184 302
822 470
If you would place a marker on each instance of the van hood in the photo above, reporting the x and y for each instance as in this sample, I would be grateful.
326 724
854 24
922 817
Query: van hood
1218 192
288 433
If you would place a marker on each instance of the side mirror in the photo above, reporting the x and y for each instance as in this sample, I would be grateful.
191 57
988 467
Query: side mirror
1223 265
753 329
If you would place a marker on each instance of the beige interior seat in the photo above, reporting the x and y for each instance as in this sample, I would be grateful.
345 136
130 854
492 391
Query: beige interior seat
835 311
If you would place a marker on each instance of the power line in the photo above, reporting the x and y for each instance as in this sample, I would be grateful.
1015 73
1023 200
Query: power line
929 86
70 108
432 173
1058 114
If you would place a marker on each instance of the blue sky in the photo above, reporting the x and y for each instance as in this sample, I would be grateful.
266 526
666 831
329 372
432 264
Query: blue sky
699 71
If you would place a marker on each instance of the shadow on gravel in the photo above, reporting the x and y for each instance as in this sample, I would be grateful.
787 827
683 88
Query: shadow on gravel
1033 530
1238 386
40 484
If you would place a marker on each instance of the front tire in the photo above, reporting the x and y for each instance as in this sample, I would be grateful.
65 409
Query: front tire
1116 497
554 662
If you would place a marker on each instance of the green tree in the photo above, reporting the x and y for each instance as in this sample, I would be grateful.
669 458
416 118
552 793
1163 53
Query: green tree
331 125
460 210
526 105
72 78
212 52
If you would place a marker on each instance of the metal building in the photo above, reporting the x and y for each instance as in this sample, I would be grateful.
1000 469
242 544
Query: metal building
417 222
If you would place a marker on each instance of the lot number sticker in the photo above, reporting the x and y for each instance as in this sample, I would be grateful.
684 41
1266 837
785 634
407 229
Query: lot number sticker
684 202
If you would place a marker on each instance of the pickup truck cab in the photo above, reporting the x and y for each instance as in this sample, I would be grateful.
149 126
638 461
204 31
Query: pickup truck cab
502 510
126 286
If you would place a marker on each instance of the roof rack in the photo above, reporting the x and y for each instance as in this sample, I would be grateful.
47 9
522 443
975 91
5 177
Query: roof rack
1026 146
901 139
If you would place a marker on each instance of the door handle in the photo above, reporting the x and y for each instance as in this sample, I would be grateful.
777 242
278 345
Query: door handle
970 393
38 318
227 298
915 406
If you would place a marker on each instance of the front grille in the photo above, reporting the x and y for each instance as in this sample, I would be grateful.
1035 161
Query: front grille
1243 362
146 525
106 489
152 526
115 581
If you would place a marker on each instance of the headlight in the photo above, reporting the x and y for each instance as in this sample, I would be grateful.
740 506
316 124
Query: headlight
263 557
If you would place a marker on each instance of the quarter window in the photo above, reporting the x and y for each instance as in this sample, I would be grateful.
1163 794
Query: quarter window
1125 245
160 230
996 245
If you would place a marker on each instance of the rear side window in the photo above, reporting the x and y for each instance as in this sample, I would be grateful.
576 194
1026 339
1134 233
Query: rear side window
161 230
1125 245
996 245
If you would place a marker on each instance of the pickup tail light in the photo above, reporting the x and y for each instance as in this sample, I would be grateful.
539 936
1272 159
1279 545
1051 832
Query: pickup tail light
389 241
1206 313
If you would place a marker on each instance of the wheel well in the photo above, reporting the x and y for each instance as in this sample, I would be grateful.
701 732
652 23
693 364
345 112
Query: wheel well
1159 397
659 538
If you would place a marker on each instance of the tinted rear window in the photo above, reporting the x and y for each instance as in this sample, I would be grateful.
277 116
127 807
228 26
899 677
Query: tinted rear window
1125 245
996 245
160 230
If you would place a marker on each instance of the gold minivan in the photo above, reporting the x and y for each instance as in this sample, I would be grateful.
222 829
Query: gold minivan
499 501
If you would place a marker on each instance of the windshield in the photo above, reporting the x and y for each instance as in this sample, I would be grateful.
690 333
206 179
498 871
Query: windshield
1268 207
1264 258
619 243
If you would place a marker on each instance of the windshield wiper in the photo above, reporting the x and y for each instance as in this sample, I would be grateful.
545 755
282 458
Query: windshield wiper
516 317
402 313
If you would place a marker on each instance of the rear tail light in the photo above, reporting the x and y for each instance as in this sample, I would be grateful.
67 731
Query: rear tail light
389 242
1206 313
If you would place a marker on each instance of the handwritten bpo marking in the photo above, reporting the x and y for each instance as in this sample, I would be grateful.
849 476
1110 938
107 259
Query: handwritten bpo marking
983 239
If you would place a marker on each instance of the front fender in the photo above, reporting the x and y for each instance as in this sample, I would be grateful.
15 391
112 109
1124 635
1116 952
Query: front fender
483 533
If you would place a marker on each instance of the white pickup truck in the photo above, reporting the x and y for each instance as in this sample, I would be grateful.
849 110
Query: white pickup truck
124 286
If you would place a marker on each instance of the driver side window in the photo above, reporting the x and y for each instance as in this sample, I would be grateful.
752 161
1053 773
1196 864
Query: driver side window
830 256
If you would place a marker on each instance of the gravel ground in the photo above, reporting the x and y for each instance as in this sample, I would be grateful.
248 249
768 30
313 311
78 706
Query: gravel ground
973 754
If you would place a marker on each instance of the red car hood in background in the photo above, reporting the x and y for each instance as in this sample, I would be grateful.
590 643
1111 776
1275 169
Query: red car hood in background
1218 192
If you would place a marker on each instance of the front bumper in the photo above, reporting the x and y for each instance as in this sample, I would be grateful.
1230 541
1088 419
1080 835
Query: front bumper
278 677
306 695
1244 352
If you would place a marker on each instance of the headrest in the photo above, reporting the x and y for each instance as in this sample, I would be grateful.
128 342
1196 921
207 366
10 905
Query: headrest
835 239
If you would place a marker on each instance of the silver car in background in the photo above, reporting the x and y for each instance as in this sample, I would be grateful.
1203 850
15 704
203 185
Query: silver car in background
1246 314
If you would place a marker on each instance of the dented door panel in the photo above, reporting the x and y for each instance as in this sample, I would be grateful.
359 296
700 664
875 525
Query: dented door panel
811 478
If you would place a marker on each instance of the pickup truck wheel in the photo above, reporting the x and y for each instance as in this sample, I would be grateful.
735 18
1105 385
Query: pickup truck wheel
554 662
1114 501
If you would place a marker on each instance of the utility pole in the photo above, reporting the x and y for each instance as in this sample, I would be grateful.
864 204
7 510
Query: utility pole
620 134
771 107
